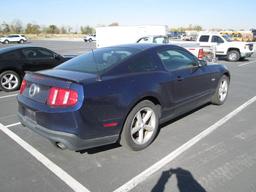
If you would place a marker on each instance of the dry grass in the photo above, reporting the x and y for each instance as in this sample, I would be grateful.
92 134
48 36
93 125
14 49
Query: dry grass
71 37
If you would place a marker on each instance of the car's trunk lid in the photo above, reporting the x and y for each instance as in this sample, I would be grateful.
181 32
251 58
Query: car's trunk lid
38 84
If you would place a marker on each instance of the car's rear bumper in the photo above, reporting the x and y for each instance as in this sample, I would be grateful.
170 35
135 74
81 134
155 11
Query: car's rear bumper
71 141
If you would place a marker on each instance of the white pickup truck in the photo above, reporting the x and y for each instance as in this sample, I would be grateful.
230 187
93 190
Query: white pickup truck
224 46
192 47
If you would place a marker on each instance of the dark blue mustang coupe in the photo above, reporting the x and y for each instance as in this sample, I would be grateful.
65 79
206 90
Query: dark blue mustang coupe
118 94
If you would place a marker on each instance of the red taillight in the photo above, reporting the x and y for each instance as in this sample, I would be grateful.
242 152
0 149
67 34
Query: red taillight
62 97
23 86
200 54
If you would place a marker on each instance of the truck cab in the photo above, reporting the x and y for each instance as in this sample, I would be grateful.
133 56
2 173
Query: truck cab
224 46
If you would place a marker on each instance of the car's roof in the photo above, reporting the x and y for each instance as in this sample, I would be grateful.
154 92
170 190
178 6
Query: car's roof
16 47
141 46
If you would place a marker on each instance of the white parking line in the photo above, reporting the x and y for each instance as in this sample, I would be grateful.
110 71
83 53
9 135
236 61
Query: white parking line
160 164
6 96
248 63
63 175
12 125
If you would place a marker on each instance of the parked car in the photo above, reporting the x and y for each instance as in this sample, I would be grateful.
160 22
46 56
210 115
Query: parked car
90 38
15 60
118 94
14 38
194 48
225 47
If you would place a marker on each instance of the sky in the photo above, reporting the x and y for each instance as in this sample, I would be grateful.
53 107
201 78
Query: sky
174 13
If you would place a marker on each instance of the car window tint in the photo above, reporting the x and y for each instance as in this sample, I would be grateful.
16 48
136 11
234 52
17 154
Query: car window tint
29 53
217 39
99 60
143 63
43 53
204 38
176 59
34 53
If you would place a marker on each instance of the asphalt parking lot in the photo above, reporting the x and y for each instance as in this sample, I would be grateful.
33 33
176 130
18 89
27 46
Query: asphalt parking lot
210 149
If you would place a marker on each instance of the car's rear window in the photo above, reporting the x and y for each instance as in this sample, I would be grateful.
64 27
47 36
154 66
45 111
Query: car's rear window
99 60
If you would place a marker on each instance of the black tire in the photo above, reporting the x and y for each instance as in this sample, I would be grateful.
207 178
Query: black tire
233 55
216 98
6 42
2 81
90 40
127 139
21 41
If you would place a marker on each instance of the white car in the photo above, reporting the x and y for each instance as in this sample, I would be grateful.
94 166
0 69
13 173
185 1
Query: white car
90 38
224 46
17 38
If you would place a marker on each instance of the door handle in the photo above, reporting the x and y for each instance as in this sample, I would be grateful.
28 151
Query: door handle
179 78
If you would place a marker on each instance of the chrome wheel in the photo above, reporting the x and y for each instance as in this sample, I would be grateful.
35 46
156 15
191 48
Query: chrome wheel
143 126
223 90
9 81
233 56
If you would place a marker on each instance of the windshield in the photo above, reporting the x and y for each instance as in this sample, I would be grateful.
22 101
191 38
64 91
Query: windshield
227 38
99 60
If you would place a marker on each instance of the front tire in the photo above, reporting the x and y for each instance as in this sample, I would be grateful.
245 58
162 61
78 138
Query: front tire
21 41
221 92
233 55
9 81
6 42
141 126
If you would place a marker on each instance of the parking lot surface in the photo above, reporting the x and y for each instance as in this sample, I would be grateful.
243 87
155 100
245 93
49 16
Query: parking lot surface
222 160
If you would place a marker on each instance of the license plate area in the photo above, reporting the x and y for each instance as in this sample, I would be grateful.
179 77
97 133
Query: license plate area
30 114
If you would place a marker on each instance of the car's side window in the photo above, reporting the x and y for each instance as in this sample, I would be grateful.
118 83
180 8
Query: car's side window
204 38
216 39
143 63
176 59
35 53
43 53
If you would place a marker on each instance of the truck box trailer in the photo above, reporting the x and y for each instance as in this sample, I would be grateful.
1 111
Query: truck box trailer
117 35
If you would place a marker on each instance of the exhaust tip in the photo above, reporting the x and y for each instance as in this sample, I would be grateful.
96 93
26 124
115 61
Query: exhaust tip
61 145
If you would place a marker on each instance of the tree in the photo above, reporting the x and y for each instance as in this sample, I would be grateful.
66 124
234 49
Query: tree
52 29
6 28
16 26
114 24
197 28
87 30
63 30
32 29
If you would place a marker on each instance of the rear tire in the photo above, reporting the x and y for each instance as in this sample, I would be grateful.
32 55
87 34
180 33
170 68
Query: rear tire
21 41
221 92
6 42
233 55
9 81
141 126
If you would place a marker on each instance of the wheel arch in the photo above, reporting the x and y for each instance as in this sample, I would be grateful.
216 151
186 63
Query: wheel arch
154 99
19 72
234 49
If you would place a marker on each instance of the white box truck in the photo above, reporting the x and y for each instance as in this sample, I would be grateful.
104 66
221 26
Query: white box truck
117 35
